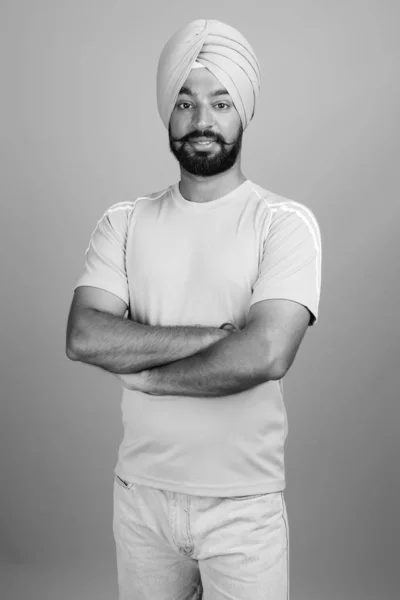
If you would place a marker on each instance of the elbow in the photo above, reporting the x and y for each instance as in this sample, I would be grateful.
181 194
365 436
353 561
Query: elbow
71 354
275 370
76 338
72 349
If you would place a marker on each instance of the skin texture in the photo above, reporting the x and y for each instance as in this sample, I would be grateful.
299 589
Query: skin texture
262 351
97 334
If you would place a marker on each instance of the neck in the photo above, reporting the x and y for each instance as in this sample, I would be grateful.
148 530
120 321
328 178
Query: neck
205 189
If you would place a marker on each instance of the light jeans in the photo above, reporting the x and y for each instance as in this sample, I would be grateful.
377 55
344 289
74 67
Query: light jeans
173 546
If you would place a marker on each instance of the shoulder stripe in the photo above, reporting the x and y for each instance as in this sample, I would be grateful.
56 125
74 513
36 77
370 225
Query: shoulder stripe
132 203
309 219
121 206
297 208
300 209
155 198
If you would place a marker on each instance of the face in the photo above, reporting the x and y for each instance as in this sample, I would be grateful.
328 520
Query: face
205 130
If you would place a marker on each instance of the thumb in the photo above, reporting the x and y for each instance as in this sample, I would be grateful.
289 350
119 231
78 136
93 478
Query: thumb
230 326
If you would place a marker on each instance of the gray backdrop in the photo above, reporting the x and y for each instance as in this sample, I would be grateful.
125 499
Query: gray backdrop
80 131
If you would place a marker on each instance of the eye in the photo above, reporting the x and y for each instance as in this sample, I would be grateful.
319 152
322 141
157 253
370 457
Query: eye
223 105
181 104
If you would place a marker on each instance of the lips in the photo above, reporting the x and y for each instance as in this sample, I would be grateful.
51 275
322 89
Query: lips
201 140
203 146
202 143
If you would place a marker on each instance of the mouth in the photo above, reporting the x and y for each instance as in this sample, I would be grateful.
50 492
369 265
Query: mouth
202 143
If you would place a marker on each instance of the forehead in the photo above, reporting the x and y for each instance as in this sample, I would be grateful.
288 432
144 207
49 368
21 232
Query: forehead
202 81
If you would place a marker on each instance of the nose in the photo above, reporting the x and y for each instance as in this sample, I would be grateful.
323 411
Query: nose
202 117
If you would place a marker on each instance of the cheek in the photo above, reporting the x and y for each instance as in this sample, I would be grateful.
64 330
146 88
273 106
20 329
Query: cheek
179 123
234 122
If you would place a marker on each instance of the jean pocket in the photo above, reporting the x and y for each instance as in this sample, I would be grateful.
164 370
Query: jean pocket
252 497
127 485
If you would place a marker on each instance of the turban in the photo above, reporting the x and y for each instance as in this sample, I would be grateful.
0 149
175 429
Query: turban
227 55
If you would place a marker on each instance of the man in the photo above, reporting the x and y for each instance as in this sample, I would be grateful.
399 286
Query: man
220 279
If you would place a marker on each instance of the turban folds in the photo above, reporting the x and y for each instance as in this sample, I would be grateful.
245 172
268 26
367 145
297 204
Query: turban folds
227 55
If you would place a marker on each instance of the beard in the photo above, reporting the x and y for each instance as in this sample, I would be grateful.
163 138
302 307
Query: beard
205 162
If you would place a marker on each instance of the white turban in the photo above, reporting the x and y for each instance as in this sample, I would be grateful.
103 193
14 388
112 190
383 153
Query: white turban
227 55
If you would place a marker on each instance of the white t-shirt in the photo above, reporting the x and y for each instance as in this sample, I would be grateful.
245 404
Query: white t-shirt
176 262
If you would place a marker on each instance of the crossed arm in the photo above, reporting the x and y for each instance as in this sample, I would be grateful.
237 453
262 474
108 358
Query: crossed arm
233 364
190 361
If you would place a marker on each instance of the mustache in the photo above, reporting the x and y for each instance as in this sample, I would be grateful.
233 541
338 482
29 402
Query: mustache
198 134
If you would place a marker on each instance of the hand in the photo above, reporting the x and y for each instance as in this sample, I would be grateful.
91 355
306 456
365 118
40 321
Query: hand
135 381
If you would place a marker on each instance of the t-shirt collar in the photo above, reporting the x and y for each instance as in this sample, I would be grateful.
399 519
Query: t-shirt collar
243 189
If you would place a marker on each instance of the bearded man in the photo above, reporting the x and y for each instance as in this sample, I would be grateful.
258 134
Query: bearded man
197 298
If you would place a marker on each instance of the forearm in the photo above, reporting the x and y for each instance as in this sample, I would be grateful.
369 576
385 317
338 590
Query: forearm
232 365
123 346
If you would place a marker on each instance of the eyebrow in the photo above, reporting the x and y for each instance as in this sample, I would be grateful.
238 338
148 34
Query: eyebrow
219 92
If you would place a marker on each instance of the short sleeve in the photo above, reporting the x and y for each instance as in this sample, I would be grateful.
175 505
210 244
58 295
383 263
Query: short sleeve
291 260
105 265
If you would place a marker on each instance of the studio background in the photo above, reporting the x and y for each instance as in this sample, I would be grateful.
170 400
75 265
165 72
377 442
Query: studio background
80 131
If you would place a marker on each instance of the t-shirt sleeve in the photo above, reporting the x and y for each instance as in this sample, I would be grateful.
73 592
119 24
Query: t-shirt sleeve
291 261
105 265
